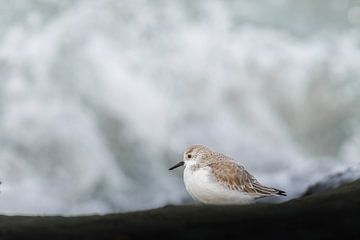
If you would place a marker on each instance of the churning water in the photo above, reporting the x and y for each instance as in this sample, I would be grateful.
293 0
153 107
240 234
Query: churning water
99 98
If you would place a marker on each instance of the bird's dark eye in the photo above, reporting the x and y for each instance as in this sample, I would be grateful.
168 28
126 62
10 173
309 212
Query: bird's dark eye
189 156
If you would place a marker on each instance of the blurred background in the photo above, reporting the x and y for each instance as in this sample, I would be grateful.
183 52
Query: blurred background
99 98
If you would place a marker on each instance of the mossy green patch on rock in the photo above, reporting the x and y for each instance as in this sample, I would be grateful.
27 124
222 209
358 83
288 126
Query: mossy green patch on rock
328 215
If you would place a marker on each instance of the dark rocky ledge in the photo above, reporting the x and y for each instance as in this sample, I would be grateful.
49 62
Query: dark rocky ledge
333 214
334 180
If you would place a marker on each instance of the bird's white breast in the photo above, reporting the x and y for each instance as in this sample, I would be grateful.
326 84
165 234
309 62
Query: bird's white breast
202 186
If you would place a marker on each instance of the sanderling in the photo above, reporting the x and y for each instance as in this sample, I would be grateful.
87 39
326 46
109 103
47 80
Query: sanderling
213 178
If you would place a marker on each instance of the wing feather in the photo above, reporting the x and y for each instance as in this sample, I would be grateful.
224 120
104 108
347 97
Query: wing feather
235 177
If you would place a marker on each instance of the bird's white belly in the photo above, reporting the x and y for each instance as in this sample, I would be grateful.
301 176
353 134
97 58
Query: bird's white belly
202 186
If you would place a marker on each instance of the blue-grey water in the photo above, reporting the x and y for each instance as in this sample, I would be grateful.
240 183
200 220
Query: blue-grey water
99 98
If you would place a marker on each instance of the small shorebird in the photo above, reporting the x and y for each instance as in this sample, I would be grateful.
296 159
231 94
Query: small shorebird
213 178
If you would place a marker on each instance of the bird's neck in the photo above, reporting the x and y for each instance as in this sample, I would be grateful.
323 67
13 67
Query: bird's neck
192 165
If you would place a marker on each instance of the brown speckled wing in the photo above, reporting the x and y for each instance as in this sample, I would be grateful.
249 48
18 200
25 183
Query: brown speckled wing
235 177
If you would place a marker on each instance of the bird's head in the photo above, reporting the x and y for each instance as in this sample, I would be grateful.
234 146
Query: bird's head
192 155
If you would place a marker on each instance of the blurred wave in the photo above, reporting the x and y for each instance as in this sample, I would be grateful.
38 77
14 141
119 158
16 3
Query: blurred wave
99 98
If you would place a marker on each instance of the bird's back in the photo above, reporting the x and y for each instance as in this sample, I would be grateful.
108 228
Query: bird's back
229 173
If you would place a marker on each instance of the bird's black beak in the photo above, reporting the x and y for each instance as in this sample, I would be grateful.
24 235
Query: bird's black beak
177 165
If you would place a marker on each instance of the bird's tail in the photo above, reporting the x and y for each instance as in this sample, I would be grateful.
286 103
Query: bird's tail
280 192
266 191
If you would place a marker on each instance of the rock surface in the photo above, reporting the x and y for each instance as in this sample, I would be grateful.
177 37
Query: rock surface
334 180
331 214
